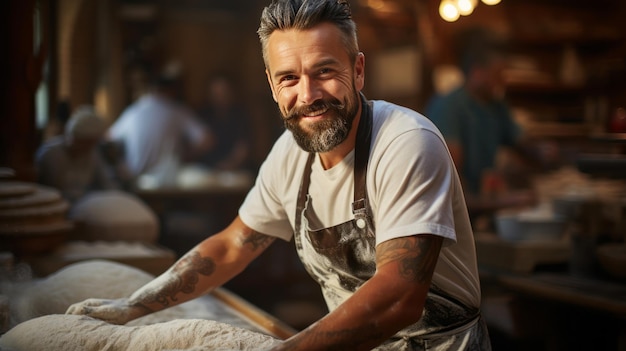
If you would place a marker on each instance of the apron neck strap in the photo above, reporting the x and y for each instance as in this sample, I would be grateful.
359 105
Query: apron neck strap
361 155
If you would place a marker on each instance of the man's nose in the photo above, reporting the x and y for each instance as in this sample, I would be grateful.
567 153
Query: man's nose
309 90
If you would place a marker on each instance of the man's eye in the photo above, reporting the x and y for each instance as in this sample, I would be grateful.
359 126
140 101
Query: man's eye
325 71
288 78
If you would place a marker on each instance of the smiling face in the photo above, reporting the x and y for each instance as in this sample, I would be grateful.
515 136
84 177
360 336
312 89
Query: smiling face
315 84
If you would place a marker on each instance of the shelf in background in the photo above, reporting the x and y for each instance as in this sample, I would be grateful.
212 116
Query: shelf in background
556 129
604 165
609 137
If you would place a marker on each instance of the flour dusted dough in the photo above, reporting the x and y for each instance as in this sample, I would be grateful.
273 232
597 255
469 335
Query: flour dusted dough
75 283
88 279
39 306
81 333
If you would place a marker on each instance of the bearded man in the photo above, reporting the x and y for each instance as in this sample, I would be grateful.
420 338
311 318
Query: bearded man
367 190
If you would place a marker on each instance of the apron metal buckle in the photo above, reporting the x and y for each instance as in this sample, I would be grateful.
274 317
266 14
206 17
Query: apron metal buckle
359 206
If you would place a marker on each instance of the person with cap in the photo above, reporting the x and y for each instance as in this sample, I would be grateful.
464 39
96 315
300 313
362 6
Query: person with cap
71 162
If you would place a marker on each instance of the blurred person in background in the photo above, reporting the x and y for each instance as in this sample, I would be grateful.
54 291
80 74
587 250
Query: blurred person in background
474 118
494 157
71 162
156 133
227 118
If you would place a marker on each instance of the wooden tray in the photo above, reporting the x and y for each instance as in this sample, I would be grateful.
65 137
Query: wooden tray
257 317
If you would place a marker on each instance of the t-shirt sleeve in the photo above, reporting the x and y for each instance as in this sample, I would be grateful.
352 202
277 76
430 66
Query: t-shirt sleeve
266 208
414 182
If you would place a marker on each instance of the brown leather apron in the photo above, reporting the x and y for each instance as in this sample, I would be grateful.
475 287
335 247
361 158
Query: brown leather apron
341 258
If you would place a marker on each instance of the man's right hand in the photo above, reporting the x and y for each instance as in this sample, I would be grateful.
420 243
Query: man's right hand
116 311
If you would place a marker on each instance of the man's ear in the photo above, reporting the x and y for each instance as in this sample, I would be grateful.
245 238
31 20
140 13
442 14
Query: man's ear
359 71
269 81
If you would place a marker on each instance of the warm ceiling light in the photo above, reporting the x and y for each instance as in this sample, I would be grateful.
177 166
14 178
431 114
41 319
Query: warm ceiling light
465 7
448 10
491 2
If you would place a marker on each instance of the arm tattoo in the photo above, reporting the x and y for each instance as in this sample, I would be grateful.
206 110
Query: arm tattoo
416 256
258 240
183 277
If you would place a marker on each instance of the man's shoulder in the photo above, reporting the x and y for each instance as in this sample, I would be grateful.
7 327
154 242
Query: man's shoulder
390 116
385 109
454 97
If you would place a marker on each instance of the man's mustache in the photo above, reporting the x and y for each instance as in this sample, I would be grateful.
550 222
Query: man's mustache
316 106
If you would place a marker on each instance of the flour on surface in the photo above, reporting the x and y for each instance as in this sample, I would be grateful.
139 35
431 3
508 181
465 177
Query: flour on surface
81 333
106 280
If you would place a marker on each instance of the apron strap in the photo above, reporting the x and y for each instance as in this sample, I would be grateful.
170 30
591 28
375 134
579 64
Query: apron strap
361 157
303 191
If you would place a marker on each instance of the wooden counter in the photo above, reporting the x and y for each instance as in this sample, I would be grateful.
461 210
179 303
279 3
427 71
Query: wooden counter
213 194
530 298
594 294
218 195
519 257
554 311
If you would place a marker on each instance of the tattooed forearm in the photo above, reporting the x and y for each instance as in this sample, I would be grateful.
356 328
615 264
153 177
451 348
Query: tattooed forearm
182 277
258 241
416 255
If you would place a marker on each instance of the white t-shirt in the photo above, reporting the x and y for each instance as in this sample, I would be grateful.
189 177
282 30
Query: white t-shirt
412 188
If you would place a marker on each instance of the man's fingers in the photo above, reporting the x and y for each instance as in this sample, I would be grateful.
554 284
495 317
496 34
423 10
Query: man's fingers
85 307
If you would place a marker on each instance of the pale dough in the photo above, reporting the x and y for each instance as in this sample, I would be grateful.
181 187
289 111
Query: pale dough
72 284
81 333
113 215
38 307
99 279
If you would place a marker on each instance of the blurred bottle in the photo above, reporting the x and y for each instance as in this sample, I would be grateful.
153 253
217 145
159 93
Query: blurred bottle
492 184
617 122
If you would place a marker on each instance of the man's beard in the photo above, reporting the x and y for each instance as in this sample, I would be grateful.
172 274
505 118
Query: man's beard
324 135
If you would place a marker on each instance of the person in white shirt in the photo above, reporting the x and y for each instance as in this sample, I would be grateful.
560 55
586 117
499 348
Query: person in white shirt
157 129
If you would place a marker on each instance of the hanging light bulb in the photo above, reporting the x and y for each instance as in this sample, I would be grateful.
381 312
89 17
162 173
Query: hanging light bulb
448 10
465 7
491 2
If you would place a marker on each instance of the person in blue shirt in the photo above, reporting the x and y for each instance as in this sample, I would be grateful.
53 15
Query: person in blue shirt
477 124
474 118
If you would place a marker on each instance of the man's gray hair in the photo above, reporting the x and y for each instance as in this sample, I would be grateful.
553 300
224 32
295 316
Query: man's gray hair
306 14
